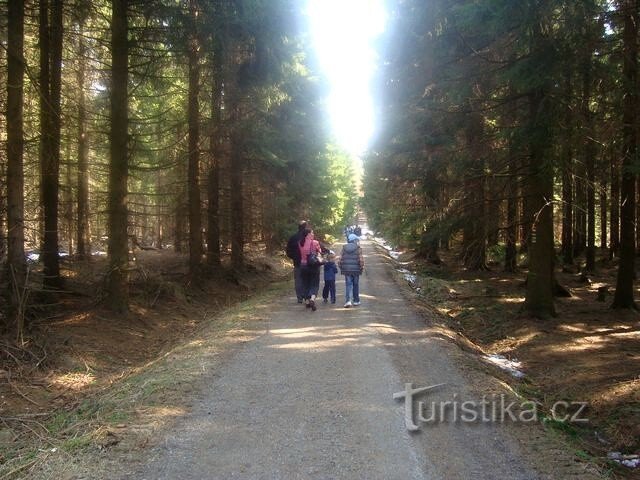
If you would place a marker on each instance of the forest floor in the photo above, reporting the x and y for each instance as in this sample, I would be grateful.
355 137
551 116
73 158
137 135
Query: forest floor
55 385
96 396
589 353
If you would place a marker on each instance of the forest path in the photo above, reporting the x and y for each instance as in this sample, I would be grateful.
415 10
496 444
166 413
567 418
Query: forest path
311 397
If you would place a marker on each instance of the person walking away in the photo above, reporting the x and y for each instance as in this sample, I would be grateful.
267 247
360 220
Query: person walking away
293 252
310 262
351 266
330 271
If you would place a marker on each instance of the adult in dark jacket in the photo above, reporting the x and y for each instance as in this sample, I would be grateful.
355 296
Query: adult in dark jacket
352 266
293 252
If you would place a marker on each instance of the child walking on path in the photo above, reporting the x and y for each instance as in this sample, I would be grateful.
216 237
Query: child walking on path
330 270
351 266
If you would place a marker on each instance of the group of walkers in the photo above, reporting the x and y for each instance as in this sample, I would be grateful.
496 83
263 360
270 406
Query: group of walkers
309 257
349 229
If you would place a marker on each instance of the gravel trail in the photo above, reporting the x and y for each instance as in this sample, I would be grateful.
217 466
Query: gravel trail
311 397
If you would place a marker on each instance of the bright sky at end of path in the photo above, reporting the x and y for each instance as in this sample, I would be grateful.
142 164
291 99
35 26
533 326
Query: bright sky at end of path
343 31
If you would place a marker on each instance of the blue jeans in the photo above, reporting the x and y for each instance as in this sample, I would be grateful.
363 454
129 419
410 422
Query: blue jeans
352 288
329 289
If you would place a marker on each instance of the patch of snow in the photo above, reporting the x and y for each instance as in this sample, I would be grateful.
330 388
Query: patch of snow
34 257
511 366
383 243
411 278
99 253
629 461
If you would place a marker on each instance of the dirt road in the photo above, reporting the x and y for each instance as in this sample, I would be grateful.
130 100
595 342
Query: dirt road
311 397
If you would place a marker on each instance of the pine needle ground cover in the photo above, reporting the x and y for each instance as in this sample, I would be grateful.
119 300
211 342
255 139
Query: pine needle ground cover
88 380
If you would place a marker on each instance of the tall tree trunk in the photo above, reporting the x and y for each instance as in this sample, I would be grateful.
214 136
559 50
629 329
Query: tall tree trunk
603 213
493 204
193 181
580 211
513 195
614 231
540 280
57 23
233 100
15 167
50 77
237 203
3 209
567 211
213 208
623 297
567 179
3 173
82 193
160 204
589 160
511 259
475 231
213 182
118 276
44 86
217 62
580 193
68 200
181 211
526 214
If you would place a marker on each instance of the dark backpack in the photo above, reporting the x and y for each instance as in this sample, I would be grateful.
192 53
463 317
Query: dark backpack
292 248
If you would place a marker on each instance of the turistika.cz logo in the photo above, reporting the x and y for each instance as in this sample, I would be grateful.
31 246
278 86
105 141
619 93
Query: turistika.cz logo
489 409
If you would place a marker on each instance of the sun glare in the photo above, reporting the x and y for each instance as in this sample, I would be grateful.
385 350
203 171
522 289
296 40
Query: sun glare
343 32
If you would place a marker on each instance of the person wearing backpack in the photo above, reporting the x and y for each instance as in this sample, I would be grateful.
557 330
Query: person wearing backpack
310 262
293 252
352 266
